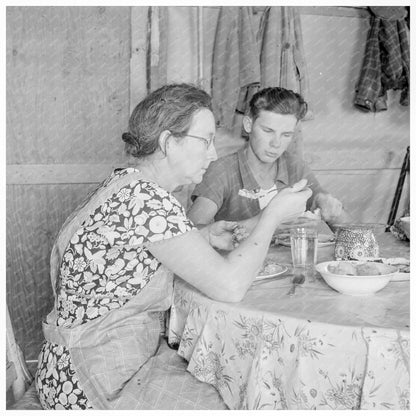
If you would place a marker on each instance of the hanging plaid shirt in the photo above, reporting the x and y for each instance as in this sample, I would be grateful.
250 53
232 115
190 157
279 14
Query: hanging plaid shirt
386 65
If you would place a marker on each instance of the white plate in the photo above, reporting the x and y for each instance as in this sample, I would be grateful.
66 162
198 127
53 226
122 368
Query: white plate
281 270
401 262
400 277
322 240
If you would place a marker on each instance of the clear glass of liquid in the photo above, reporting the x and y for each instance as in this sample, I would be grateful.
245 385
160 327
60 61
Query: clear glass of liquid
304 248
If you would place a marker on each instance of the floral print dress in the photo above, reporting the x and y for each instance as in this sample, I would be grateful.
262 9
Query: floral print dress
105 264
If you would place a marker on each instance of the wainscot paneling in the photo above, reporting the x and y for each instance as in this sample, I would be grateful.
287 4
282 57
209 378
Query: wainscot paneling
67 85
367 195
53 174
35 214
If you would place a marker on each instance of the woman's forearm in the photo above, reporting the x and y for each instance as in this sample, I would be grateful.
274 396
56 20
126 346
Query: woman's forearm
250 223
249 256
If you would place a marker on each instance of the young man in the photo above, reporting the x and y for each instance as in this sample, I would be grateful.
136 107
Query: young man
238 186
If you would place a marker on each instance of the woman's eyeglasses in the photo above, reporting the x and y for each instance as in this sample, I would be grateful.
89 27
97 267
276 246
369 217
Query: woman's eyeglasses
208 142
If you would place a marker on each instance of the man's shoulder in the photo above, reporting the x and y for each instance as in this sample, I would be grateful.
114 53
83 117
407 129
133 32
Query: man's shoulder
220 173
225 162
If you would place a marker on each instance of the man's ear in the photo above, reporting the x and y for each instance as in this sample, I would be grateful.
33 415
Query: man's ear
247 124
163 140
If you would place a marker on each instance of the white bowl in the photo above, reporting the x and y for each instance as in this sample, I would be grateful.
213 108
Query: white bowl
356 285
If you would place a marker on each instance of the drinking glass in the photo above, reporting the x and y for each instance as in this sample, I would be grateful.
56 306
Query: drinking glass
304 248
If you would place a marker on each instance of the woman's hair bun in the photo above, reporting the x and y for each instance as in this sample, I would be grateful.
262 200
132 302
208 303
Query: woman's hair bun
129 138
133 147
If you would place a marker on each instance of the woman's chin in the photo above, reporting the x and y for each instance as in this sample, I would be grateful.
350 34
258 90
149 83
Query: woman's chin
191 181
197 180
194 179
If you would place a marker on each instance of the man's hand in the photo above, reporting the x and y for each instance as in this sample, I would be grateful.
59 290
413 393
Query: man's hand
332 210
220 234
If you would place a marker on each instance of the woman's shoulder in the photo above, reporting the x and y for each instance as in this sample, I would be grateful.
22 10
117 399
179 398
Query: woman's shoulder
133 177
132 185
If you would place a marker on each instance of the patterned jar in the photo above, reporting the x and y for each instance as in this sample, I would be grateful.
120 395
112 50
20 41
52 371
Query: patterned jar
355 241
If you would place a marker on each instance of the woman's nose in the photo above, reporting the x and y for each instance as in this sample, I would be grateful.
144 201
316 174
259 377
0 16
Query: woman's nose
212 153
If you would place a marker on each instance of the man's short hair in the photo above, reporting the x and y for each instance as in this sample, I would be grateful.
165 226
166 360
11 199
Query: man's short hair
278 100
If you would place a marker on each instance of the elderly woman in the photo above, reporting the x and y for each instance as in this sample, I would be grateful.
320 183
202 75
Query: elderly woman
113 262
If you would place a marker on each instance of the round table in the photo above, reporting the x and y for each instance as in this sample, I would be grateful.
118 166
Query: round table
318 349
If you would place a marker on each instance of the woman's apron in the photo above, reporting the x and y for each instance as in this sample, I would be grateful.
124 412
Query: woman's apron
108 351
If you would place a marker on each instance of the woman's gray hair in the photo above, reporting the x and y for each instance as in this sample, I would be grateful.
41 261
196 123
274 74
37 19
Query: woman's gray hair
170 107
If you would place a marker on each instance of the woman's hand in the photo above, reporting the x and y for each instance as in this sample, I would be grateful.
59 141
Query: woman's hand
290 202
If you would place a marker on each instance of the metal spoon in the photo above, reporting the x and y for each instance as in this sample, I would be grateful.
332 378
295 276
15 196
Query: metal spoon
297 280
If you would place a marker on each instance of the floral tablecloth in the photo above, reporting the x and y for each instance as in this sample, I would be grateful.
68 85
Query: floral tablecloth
316 350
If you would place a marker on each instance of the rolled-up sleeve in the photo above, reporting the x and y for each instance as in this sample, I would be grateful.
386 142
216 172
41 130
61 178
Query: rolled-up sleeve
213 185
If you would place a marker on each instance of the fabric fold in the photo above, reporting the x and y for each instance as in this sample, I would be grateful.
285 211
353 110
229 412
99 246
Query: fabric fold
282 57
236 67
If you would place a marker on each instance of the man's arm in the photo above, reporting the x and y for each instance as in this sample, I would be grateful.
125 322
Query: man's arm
202 211
306 172
332 209
208 196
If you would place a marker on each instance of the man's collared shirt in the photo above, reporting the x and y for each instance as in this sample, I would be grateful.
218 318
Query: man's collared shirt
227 176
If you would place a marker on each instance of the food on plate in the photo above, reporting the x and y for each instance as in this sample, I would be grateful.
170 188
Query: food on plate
246 193
351 269
403 268
240 233
402 263
269 268
259 193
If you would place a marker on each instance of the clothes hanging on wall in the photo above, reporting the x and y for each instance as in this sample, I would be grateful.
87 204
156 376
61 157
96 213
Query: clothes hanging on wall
156 60
282 58
236 66
386 64
166 43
